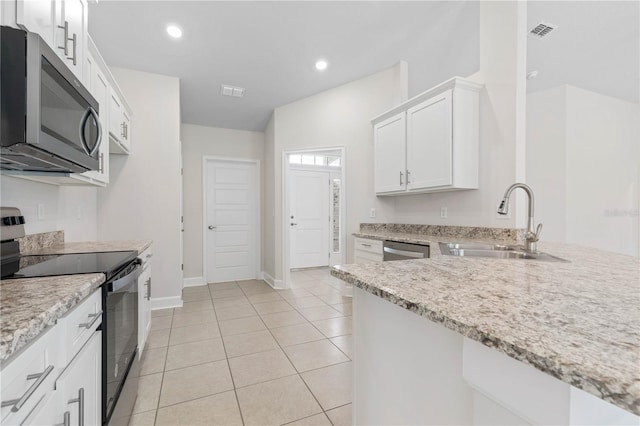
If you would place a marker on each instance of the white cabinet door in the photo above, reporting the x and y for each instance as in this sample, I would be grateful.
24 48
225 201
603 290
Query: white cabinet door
390 154
115 116
71 33
126 123
429 143
99 87
37 16
50 410
81 384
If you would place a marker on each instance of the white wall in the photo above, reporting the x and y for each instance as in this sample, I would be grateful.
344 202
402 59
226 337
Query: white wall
142 200
337 117
583 160
68 208
502 129
199 141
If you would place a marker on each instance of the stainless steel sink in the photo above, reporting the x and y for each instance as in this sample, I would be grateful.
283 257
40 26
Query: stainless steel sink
474 246
495 251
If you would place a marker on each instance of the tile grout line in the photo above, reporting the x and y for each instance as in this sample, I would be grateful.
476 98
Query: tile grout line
224 348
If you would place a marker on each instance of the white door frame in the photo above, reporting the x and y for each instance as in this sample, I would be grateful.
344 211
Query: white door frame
286 273
258 259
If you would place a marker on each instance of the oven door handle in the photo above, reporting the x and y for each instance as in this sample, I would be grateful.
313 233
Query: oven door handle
119 284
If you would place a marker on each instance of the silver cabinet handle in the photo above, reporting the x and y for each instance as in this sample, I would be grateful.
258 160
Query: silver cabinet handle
401 183
149 256
408 174
80 401
122 129
75 42
366 245
66 419
65 27
19 402
149 289
101 162
294 224
212 227
89 324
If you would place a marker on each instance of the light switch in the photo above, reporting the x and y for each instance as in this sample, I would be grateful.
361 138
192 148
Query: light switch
443 212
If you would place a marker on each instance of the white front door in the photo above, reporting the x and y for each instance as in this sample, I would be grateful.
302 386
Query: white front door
309 218
231 220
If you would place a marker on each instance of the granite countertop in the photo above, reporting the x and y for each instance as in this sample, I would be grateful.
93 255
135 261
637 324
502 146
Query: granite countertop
94 246
29 305
577 321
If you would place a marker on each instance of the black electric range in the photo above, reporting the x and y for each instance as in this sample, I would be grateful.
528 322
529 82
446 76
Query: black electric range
119 332
108 263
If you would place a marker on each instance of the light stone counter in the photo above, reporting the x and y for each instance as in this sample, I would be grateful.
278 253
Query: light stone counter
94 246
577 321
29 305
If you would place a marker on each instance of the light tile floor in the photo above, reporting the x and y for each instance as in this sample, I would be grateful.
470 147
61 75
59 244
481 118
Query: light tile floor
242 353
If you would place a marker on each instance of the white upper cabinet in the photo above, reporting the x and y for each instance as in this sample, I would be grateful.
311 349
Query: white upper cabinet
430 142
119 122
70 33
36 16
390 154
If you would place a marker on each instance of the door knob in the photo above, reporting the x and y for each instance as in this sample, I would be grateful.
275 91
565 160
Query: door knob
293 224
212 227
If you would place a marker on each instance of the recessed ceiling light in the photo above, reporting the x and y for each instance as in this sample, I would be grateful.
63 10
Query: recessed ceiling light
321 65
174 31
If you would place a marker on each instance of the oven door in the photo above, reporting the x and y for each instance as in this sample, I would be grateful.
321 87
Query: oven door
120 339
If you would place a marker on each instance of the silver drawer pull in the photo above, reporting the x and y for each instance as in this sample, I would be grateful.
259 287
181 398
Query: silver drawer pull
95 317
149 256
80 401
19 402
366 245
66 421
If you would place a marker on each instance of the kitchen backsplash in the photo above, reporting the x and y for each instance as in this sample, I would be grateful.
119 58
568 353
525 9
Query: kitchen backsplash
34 242
508 234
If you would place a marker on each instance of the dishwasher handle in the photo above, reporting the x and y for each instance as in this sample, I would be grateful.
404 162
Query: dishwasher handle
411 254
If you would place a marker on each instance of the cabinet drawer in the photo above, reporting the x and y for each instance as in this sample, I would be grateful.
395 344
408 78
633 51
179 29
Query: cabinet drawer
29 376
371 246
366 257
78 325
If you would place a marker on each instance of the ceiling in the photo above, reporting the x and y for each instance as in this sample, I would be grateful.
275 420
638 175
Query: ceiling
270 48
596 46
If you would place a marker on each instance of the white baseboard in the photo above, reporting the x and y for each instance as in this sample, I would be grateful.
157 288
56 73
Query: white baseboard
166 302
277 284
192 282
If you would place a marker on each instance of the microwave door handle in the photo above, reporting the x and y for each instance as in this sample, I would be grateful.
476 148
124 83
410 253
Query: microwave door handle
83 123
96 147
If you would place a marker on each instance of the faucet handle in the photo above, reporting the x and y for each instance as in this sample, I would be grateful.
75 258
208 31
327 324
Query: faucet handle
538 231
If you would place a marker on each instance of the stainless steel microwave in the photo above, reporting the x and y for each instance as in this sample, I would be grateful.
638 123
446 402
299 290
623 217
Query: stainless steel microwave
49 119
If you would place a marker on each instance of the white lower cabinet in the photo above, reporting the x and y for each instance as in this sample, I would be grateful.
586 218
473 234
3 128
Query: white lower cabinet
79 384
144 300
367 251
57 378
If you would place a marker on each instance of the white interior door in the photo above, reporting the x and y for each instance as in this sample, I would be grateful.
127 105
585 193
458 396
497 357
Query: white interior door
231 220
309 219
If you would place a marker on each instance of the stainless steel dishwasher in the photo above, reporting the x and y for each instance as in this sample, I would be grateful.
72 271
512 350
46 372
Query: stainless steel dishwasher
403 251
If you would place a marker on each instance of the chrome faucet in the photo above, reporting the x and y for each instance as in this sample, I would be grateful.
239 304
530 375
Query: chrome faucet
532 236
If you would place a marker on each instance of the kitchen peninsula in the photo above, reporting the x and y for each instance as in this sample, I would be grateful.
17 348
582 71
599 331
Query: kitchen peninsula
573 327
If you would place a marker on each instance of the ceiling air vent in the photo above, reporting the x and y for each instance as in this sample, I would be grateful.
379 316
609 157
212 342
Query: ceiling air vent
542 30
236 92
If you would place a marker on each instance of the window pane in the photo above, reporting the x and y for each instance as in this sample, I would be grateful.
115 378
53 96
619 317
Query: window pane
320 160
295 159
333 161
308 159
335 187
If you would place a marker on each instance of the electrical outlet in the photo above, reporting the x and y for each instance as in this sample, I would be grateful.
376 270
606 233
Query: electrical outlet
40 211
372 213
443 212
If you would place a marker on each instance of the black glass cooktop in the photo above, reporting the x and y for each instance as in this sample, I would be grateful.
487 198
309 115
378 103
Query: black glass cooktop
108 263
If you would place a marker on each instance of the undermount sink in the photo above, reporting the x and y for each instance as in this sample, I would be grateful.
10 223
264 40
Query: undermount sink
474 246
496 251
